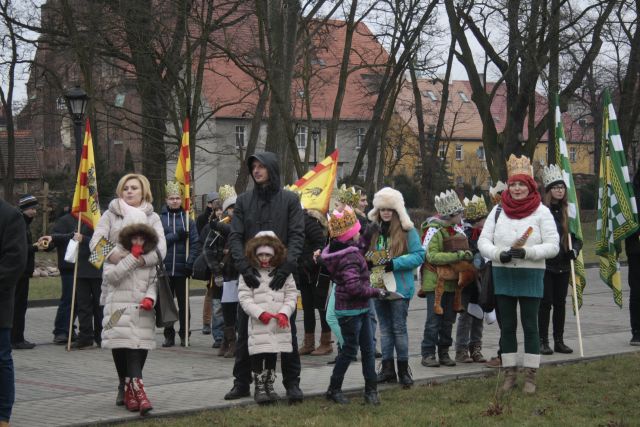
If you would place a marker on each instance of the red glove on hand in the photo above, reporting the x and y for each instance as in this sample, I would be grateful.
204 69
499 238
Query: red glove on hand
283 320
136 250
265 317
146 304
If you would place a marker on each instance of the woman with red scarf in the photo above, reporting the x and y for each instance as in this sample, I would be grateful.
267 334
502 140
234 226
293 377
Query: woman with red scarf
518 242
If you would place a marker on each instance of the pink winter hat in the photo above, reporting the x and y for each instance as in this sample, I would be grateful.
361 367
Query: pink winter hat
343 226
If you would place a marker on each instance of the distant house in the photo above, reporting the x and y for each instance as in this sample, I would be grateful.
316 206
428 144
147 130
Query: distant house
28 174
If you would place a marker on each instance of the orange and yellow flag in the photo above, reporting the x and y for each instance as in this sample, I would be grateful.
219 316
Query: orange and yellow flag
317 185
183 169
85 199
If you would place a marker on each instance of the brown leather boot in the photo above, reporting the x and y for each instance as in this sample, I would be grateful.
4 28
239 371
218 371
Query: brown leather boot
4 423
230 337
529 380
309 344
510 376
325 346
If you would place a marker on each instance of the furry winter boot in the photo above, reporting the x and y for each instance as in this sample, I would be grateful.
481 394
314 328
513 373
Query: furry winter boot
529 380
270 378
130 400
371 396
325 346
120 396
309 344
141 396
510 376
260 393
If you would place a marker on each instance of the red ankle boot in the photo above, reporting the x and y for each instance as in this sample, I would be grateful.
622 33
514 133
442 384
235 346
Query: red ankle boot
141 396
130 400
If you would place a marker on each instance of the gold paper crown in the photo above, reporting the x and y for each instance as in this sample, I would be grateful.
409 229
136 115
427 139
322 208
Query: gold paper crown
519 166
552 174
340 225
348 195
475 209
226 191
173 188
494 192
448 203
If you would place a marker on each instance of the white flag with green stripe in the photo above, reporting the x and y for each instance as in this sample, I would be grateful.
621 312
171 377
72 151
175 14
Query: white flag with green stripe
617 210
575 227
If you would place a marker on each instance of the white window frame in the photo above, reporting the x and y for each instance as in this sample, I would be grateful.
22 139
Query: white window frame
573 154
360 134
441 151
481 153
301 138
459 152
463 96
240 137
431 95
459 181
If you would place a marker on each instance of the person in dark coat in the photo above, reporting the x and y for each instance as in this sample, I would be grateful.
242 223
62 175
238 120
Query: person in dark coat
203 218
13 259
174 221
88 282
632 248
266 207
28 204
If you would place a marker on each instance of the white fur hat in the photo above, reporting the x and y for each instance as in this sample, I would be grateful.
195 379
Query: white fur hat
388 198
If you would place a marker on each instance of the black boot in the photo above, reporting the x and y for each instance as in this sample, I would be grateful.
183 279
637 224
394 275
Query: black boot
544 347
371 396
387 372
238 391
120 396
169 337
635 338
404 374
260 393
559 345
334 393
443 357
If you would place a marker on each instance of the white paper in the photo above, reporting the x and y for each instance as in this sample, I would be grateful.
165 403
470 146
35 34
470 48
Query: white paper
72 251
389 281
229 291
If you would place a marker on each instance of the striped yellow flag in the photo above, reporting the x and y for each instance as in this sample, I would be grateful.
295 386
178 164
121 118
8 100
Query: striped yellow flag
317 185
85 199
183 169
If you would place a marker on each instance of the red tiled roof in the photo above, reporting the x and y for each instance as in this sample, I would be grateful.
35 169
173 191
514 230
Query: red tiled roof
26 160
463 118
233 94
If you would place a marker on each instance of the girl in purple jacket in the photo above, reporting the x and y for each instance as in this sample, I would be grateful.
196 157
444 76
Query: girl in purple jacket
348 270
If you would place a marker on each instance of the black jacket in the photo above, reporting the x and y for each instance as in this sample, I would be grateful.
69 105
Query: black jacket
174 223
315 237
13 258
31 250
268 207
61 233
561 263
203 219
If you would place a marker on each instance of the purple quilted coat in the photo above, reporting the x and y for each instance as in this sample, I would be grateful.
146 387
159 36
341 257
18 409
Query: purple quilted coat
348 270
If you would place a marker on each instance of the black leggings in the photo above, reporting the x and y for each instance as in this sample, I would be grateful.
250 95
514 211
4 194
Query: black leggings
229 313
262 361
306 286
555 295
129 362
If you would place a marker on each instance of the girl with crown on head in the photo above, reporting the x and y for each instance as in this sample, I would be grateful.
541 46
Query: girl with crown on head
392 232
440 229
518 243
556 277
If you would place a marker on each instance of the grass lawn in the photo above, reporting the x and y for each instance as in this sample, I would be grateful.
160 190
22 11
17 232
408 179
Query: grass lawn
597 393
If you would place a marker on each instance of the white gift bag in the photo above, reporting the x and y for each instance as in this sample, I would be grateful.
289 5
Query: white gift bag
72 251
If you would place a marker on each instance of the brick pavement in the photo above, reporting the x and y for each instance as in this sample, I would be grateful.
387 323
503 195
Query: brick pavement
55 388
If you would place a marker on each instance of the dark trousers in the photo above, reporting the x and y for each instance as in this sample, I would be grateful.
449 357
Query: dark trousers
89 310
178 286
289 362
307 284
63 315
7 376
634 292
555 296
529 308
20 309
229 313
262 361
129 362
356 331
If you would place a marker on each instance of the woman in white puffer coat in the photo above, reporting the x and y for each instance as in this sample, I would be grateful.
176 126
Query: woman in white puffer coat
269 311
129 284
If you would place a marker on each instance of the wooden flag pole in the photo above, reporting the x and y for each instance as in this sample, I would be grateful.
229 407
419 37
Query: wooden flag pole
575 299
73 292
186 290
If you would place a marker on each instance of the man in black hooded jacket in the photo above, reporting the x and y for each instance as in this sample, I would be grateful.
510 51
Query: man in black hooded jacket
266 207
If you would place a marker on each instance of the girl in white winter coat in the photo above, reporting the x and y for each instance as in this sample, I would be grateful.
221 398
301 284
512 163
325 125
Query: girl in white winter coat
268 310
129 284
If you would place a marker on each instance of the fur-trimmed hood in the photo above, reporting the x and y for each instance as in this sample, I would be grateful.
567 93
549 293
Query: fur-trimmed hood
388 198
279 257
144 230
318 215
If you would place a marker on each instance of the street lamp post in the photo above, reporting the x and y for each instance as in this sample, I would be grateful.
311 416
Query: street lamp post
315 133
77 100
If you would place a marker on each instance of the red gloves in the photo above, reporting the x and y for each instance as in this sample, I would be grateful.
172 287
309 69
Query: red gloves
146 304
136 250
283 320
265 317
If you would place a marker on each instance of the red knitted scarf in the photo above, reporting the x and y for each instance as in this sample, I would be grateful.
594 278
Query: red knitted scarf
519 209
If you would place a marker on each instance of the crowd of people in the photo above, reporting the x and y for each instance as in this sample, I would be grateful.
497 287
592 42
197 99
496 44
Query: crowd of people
259 250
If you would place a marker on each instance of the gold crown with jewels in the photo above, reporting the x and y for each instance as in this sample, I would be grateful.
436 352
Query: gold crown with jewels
475 209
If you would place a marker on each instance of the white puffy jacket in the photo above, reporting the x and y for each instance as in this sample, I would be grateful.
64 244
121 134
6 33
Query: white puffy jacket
543 242
268 338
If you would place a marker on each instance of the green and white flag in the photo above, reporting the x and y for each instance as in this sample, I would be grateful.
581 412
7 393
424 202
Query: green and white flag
617 210
575 227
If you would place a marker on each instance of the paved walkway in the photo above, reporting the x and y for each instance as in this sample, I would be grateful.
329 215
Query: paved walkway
55 388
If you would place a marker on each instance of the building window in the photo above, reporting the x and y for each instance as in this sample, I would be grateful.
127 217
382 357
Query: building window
572 154
441 151
301 138
458 151
432 96
459 181
360 133
240 143
119 100
474 182
480 153
463 97
61 104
